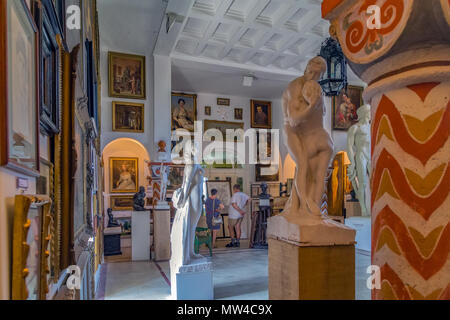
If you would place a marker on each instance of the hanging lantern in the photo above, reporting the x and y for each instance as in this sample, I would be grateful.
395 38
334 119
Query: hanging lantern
335 79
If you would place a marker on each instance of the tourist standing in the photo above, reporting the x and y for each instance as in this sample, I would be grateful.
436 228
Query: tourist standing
213 207
236 215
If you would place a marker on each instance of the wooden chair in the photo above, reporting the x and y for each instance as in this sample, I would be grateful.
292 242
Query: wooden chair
203 236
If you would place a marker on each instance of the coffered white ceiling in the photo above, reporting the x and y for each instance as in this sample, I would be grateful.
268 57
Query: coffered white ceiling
276 35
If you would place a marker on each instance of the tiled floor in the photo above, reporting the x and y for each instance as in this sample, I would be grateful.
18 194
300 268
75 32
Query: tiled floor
238 275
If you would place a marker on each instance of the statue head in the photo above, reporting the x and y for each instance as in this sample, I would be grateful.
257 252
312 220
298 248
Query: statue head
141 189
364 114
316 68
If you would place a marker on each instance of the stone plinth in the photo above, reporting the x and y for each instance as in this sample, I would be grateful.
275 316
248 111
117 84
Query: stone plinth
353 209
363 227
192 282
140 236
161 232
310 258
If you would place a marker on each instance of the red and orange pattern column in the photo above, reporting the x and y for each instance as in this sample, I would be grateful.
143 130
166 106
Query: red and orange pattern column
407 68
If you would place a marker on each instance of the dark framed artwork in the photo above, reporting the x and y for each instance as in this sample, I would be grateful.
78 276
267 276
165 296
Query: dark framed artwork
19 88
184 111
176 174
126 75
261 114
266 178
121 203
128 117
124 175
345 106
238 114
223 102
223 126
47 21
207 111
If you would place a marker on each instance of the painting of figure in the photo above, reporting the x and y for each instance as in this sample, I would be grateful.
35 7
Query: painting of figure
184 111
128 117
126 75
345 106
261 114
124 175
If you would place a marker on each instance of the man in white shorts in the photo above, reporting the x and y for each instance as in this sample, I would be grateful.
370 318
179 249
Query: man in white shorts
236 214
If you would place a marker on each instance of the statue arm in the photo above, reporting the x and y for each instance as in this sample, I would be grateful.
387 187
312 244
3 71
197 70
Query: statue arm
310 98
350 151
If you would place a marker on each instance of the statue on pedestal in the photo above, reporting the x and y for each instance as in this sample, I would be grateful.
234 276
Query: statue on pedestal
188 202
358 149
111 221
309 144
139 200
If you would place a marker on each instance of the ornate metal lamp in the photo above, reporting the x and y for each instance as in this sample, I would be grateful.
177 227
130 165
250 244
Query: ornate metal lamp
335 79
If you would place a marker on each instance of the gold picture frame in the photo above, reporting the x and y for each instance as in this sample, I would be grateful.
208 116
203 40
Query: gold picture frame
261 114
123 123
130 177
115 206
31 252
189 114
124 82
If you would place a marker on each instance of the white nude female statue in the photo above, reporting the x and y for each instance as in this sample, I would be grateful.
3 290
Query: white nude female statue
358 149
188 202
309 144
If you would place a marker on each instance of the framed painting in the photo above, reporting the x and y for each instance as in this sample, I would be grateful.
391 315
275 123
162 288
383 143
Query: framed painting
126 75
128 117
261 114
176 174
223 188
223 126
345 106
238 114
19 88
124 175
223 102
265 178
184 111
121 203
207 111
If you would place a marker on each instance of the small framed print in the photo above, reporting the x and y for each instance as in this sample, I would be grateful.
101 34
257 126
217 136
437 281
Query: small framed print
126 76
19 88
238 114
128 117
207 111
345 106
121 203
223 102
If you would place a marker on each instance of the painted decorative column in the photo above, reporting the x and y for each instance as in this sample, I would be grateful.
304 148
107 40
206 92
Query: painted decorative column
406 64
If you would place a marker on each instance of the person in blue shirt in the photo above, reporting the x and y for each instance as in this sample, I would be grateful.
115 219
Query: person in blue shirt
213 207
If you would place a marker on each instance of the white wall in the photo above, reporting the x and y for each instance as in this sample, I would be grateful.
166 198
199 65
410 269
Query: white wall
127 27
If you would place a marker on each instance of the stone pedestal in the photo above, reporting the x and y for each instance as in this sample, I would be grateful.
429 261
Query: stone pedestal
140 236
310 258
161 232
192 282
363 226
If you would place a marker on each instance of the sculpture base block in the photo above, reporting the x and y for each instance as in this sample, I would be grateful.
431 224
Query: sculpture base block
140 236
363 227
311 272
192 282
161 231
309 230
353 209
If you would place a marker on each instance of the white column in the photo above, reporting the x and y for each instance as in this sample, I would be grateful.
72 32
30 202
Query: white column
162 98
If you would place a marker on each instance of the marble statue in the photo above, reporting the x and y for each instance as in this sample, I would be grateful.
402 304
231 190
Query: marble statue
358 150
188 202
311 148
164 174
139 200
309 144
